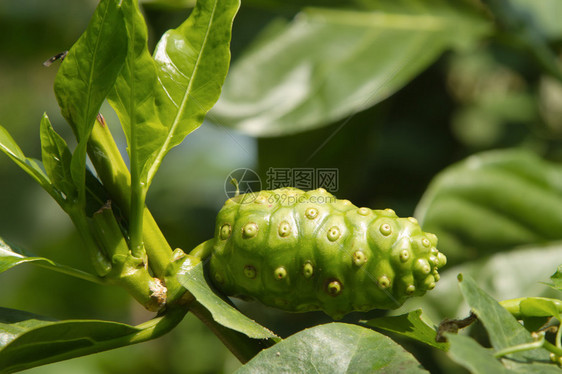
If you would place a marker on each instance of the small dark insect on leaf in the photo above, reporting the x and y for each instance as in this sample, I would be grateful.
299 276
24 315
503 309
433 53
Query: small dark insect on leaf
453 325
59 56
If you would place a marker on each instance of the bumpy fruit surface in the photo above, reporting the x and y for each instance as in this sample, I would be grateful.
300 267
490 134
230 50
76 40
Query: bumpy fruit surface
302 251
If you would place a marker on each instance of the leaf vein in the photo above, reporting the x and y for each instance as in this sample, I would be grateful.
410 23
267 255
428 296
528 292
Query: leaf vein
177 118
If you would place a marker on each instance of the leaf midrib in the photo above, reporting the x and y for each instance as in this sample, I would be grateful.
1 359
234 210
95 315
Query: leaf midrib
91 74
171 133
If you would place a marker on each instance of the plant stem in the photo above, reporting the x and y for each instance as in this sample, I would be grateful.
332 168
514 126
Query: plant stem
158 250
139 188
101 263
541 343
127 270
552 348
136 218
158 326
203 250
116 179
520 348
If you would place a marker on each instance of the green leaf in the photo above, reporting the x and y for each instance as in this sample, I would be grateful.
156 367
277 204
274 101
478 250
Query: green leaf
134 102
493 201
331 63
56 158
411 325
56 177
28 340
503 329
170 4
91 66
133 95
31 341
471 355
192 62
535 368
160 101
30 166
87 74
334 348
193 279
11 256
539 307
556 279
479 360
278 5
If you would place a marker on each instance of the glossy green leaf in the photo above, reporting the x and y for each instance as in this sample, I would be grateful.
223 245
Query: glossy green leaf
56 158
471 355
56 176
91 66
133 95
503 329
134 101
11 256
28 340
192 62
169 4
9 146
411 325
86 76
334 348
493 201
295 5
29 165
193 279
331 63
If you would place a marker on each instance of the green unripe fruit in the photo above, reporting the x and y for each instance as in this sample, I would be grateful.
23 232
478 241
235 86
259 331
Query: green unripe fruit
302 251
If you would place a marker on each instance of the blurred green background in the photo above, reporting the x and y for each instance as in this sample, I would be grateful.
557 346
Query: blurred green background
489 94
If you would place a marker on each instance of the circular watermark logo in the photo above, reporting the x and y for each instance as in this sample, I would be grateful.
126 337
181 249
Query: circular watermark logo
243 181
